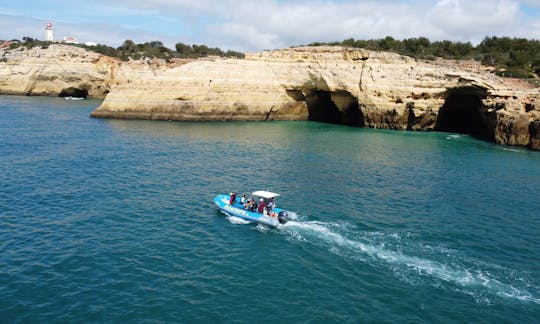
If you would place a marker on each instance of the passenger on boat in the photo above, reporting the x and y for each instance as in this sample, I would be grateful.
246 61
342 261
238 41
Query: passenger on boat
271 204
260 208
232 199
249 204
243 199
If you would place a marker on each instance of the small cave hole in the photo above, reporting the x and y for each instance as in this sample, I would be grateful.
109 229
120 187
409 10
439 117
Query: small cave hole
74 92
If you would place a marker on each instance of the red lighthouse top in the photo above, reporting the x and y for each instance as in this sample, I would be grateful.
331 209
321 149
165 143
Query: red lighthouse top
49 25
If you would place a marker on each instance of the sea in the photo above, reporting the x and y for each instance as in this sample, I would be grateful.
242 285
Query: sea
106 220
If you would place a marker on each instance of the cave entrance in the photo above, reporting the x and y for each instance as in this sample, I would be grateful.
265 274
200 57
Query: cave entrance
73 92
464 113
335 107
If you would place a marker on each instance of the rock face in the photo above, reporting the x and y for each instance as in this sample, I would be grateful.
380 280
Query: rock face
57 70
329 84
63 70
337 85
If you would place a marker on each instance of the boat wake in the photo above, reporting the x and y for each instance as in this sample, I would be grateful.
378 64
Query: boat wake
237 220
464 275
292 216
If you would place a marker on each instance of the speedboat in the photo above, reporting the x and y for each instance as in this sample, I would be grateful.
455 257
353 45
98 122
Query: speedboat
272 217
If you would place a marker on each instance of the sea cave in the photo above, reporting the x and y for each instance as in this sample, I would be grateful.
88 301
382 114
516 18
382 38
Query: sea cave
335 107
74 92
464 113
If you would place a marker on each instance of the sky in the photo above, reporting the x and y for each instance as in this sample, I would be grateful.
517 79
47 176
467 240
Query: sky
247 26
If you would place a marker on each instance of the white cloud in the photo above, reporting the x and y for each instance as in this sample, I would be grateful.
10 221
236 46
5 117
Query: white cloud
246 34
100 33
302 22
534 3
265 24
465 20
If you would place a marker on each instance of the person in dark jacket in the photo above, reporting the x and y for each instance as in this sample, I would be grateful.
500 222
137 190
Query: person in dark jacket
271 204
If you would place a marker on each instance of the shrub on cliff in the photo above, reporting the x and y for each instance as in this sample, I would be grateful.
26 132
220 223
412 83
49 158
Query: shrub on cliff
517 57
190 51
515 72
156 49
27 43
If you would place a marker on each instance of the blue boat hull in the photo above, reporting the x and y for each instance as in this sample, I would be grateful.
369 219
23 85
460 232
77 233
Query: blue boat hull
236 209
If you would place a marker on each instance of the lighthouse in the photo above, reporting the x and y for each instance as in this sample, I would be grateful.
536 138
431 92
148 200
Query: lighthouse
49 32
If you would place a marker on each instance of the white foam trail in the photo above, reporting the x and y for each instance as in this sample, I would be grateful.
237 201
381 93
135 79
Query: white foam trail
262 228
455 274
292 215
237 220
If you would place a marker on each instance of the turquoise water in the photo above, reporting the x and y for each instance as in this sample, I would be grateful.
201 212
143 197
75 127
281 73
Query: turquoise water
112 220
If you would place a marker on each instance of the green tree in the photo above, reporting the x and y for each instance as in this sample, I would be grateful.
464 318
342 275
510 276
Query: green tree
128 46
183 49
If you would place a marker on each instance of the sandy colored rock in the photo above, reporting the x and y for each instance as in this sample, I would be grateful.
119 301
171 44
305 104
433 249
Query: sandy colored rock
332 84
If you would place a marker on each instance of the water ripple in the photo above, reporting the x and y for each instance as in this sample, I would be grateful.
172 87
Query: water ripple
112 220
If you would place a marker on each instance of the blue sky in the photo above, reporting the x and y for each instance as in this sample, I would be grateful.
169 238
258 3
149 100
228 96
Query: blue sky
268 24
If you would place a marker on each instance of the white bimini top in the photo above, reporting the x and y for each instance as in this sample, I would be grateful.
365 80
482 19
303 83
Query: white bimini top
265 194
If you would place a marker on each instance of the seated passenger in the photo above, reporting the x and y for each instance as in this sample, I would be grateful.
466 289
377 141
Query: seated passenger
232 199
249 204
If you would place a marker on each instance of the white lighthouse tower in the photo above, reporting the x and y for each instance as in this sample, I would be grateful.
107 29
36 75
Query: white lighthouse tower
49 32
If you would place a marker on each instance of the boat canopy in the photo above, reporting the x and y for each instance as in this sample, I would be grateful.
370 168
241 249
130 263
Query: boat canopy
265 194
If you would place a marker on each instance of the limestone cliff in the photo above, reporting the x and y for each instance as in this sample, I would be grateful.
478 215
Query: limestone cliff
64 70
330 84
339 85
56 70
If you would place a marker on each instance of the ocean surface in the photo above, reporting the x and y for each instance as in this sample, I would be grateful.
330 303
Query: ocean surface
113 221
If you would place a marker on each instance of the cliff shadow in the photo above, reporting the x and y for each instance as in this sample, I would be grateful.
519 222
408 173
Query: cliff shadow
334 107
463 112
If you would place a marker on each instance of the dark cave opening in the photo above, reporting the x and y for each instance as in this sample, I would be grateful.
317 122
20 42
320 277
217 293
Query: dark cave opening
335 107
464 113
74 92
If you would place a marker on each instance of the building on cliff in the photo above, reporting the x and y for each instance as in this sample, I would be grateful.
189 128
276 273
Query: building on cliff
70 40
49 32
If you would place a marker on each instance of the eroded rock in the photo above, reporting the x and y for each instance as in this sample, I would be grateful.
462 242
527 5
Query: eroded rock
329 84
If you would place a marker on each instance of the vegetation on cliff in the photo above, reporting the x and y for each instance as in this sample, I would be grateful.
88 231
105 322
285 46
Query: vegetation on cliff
156 49
129 49
512 57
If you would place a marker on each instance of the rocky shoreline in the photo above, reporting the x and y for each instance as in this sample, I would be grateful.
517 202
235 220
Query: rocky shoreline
329 84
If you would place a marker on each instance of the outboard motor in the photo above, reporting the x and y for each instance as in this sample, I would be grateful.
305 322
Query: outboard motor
283 217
